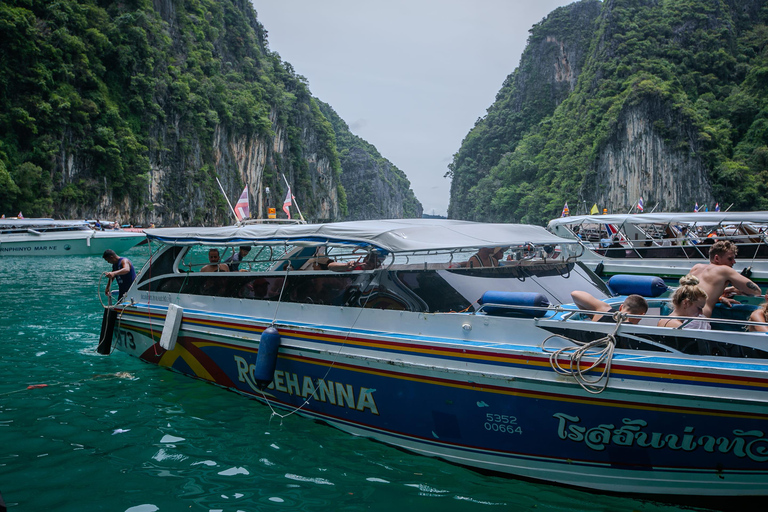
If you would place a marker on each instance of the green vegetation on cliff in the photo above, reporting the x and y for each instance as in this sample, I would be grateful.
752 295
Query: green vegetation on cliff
703 64
95 93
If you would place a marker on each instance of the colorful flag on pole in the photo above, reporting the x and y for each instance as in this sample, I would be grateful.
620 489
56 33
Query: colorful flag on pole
20 215
566 212
696 207
287 203
242 208
717 207
594 210
640 205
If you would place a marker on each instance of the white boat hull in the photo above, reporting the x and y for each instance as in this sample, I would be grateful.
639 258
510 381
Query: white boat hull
67 243
463 388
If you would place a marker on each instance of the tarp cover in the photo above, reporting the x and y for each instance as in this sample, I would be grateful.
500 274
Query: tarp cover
395 235
40 223
667 218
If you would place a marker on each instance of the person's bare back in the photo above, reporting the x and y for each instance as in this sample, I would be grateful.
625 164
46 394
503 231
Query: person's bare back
714 279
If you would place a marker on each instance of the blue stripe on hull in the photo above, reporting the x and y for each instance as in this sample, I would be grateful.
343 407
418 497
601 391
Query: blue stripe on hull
507 420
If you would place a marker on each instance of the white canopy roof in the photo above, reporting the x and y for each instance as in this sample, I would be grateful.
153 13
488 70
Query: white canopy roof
395 235
38 223
666 218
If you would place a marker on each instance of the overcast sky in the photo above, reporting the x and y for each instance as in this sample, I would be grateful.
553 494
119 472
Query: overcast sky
409 76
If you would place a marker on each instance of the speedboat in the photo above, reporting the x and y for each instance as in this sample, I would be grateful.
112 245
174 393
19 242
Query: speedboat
49 237
667 244
489 367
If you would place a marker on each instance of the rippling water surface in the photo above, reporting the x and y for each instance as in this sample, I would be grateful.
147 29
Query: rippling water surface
82 432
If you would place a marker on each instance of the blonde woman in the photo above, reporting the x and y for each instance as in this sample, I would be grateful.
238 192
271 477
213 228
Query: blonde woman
688 300
760 315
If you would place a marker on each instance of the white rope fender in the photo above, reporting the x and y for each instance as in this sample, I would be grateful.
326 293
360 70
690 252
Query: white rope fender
602 349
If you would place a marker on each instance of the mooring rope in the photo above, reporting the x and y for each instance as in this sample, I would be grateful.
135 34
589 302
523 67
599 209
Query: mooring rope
601 348
373 284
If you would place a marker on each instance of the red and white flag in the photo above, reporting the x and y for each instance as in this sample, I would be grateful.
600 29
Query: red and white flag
243 208
287 203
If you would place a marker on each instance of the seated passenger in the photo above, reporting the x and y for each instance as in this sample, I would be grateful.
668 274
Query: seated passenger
319 261
370 262
484 257
633 305
214 264
688 300
498 254
234 260
760 315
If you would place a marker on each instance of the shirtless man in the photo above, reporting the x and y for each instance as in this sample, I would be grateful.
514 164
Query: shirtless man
214 265
718 278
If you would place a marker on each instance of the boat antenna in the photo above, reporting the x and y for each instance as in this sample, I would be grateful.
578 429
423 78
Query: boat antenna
293 198
654 208
225 197
729 207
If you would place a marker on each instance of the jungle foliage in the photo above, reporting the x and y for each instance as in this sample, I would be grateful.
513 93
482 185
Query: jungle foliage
705 61
107 87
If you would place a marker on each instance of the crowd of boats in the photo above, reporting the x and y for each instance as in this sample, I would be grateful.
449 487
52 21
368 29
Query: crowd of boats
489 366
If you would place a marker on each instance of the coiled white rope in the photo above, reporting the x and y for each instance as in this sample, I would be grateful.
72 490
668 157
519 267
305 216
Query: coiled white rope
601 349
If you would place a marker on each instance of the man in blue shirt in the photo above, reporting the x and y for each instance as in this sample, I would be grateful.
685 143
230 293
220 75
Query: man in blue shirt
122 271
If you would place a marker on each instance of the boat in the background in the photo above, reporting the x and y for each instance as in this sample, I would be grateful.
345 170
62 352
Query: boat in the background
49 237
667 244
385 329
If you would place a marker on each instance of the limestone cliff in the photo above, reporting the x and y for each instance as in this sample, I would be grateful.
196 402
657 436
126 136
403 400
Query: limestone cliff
622 100
133 110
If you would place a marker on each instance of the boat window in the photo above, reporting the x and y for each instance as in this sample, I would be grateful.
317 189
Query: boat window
329 288
430 287
555 281
161 264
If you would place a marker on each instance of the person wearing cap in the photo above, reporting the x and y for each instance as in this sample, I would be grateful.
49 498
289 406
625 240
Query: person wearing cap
234 260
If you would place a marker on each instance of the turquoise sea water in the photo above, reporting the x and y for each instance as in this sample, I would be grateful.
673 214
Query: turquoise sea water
112 433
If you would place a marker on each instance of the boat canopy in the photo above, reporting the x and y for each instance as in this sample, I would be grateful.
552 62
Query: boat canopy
393 235
40 223
701 218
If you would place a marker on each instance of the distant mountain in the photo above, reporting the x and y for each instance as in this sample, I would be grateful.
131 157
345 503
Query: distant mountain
623 99
375 188
131 110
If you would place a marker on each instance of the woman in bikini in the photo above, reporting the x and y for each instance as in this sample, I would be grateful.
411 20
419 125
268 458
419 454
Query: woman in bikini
688 301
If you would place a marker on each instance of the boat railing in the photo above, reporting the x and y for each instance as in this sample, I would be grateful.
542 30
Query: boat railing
564 313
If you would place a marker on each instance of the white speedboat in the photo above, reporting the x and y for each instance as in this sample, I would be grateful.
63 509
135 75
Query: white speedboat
411 348
48 237
667 244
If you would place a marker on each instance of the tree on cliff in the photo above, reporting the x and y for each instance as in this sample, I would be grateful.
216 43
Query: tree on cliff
667 101
133 108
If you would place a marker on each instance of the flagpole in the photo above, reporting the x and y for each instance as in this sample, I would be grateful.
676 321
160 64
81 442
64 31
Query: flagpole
225 197
294 199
